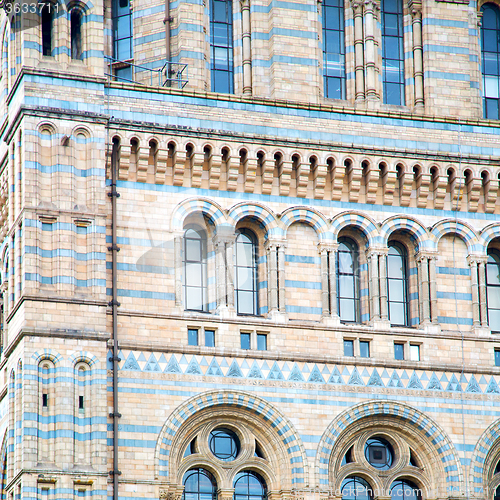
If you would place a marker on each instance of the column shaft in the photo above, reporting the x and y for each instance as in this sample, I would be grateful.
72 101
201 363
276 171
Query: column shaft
333 282
482 294
272 280
281 279
325 282
476 320
383 287
418 65
246 43
230 274
432 289
359 68
374 287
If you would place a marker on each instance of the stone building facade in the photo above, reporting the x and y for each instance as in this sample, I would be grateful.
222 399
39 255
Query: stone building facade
266 269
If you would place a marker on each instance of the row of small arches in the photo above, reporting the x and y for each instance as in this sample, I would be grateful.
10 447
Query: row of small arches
450 170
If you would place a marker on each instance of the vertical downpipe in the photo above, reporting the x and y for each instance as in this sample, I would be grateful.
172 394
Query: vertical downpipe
167 21
113 194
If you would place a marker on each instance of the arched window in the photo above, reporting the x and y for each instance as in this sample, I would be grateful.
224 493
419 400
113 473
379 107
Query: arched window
348 280
397 284
493 290
199 484
248 485
393 63
76 34
334 49
195 269
246 273
405 490
47 28
356 488
497 494
490 51
221 46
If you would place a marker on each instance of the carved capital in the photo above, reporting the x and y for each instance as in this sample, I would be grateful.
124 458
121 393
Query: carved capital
477 259
327 246
415 8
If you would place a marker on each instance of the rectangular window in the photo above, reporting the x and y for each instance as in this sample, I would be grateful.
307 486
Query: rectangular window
414 352
210 338
192 336
80 403
497 357
399 351
364 349
348 347
245 340
45 400
334 49
221 46
261 342
393 63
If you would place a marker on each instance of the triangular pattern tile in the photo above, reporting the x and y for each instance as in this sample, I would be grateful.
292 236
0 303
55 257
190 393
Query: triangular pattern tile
275 373
295 374
434 384
375 380
255 371
214 369
193 367
152 365
316 376
173 366
234 370
131 363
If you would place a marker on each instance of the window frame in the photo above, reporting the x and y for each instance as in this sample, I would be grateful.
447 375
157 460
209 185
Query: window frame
403 253
229 47
254 270
76 39
202 262
387 39
493 255
354 253
494 9
198 471
326 31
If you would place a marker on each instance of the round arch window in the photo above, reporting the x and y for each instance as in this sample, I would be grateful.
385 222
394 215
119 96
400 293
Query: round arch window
379 453
248 485
405 490
224 444
199 484
356 488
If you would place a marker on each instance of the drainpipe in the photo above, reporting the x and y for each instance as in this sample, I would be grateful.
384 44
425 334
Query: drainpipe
113 194
167 22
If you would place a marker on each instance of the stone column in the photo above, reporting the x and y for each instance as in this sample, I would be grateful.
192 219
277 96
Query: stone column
325 281
370 9
473 264
220 271
230 273
432 289
423 288
247 51
178 270
415 8
482 293
272 276
281 278
374 287
359 66
328 279
383 287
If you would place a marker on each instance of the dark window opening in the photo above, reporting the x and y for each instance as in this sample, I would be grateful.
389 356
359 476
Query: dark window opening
45 400
221 46
245 340
76 35
80 403
47 29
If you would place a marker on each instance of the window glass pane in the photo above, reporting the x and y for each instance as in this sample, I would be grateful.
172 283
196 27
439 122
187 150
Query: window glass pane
210 338
393 94
493 274
194 298
346 287
354 488
396 290
221 82
348 348
494 319
245 302
244 254
397 313
394 266
492 109
490 43
123 49
494 297
261 342
491 86
489 19
414 352
193 274
123 27
124 74
245 340
364 349
345 263
490 63
399 352
219 14
192 337
193 250
347 310
497 359
245 278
